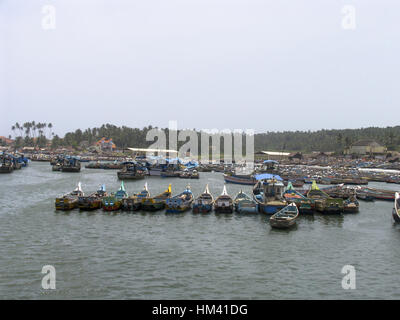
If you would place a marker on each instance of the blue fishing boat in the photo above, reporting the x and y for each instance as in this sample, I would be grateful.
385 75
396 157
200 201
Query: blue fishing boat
204 202
180 202
114 201
268 193
244 204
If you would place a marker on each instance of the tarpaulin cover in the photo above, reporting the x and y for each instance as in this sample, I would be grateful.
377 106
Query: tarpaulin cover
263 176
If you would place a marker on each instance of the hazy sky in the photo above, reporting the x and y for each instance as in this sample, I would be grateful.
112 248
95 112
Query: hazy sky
260 64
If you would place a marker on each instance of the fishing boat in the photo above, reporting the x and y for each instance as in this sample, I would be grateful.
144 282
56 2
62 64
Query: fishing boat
71 164
70 200
244 204
304 204
134 202
285 218
6 165
364 196
171 174
113 202
189 174
93 201
131 171
351 205
268 194
158 202
204 202
377 194
245 179
396 209
180 202
224 202
323 202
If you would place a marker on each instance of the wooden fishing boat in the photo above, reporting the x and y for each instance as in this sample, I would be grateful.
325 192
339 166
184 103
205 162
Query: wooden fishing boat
396 209
245 179
131 171
204 202
171 174
158 202
351 205
189 174
70 200
377 194
180 202
134 202
323 202
6 164
285 218
113 202
195 174
244 204
6 168
224 202
304 204
71 164
93 201
268 194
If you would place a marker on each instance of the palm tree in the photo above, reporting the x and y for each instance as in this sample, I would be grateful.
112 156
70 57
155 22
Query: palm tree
13 130
50 126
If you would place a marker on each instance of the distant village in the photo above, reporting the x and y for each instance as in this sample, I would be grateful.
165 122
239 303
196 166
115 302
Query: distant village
362 150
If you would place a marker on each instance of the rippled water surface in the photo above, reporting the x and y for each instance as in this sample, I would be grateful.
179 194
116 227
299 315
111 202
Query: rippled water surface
145 255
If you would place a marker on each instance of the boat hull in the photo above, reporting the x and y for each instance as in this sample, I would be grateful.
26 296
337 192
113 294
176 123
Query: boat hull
270 208
240 180
224 209
70 169
395 216
177 209
205 208
6 169
153 206
131 205
247 209
129 176
281 224
66 204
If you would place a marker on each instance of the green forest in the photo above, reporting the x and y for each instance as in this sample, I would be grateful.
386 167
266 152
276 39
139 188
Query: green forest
41 134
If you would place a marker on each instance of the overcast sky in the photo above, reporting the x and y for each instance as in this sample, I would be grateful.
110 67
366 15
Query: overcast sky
259 64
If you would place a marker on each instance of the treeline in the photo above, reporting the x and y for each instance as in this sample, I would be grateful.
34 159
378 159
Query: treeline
32 134
322 140
326 140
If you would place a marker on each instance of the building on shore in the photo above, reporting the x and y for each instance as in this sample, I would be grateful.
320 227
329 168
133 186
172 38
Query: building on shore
106 145
366 147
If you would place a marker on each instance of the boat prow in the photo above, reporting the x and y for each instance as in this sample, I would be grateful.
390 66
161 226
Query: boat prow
396 209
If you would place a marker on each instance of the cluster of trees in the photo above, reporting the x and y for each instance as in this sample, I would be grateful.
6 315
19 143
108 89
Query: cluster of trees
326 140
32 134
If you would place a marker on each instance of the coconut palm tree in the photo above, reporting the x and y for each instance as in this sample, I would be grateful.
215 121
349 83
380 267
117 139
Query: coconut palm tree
50 126
13 130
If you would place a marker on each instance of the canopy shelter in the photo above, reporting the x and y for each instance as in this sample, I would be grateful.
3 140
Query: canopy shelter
266 176
271 161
